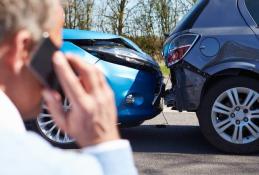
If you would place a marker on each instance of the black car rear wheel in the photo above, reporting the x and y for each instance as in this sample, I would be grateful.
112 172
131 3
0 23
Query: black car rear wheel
229 115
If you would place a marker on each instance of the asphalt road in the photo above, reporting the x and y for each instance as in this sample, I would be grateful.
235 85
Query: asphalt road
179 148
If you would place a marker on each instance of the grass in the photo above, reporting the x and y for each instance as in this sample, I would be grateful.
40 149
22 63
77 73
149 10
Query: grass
164 69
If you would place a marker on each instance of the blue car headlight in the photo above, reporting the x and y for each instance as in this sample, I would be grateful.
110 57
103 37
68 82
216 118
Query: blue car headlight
124 56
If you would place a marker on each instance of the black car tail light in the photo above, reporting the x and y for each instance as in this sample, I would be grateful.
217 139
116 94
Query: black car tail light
179 47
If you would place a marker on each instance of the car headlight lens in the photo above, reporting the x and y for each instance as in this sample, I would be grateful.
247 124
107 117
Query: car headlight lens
179 47
134 99
130 99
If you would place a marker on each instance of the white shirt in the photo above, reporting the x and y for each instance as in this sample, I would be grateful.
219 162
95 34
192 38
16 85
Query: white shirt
25 153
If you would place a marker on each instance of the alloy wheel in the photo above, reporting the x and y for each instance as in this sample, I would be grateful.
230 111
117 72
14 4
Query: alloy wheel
235 115
48 127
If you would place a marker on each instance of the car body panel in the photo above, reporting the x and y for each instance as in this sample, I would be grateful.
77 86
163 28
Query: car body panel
234 55
69 47
232 25
124 80
70 34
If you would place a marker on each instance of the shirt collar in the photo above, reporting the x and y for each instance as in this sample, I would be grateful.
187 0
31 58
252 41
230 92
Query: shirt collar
10 118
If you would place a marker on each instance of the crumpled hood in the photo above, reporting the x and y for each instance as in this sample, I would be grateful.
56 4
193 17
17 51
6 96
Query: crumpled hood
72 48
125 53
72 35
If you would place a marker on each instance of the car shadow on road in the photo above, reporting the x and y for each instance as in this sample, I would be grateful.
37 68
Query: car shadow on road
169 139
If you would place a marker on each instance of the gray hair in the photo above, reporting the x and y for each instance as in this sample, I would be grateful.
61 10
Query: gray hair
35 16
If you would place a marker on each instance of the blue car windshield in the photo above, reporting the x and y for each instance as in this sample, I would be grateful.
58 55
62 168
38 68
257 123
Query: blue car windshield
189 19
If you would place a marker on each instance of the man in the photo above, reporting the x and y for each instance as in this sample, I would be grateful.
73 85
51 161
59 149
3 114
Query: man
92 121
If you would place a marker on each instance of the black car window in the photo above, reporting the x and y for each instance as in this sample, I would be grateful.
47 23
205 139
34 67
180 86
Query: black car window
253 8
190 18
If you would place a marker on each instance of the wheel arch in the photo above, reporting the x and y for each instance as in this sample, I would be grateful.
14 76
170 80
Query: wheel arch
227 73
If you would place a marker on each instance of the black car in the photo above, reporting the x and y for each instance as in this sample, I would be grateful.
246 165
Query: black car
213 55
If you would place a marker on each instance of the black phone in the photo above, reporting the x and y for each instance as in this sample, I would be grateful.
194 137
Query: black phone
42 65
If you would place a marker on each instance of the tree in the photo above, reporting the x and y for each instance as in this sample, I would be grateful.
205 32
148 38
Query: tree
145 18
116 15
78 14
86 21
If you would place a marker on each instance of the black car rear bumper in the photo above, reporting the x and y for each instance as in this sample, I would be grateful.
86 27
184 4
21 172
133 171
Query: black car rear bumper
187 85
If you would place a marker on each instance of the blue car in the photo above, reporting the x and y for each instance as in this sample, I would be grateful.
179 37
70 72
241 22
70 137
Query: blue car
133 75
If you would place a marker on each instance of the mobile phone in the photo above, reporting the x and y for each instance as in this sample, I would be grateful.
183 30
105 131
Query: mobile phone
41 63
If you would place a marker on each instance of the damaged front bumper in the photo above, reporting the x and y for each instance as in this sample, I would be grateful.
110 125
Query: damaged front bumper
137 82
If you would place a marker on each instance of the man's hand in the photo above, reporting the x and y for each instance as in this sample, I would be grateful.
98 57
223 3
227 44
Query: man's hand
93 118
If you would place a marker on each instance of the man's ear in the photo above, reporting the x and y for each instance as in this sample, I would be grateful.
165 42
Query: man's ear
19 52
24 44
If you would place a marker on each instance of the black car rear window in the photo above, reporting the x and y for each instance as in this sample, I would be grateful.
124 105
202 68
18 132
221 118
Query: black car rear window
253 8
190 18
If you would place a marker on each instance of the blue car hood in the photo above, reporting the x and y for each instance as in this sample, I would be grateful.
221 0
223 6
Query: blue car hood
71 48
72 34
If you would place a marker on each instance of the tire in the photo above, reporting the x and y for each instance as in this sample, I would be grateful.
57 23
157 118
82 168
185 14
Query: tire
228 127
131 124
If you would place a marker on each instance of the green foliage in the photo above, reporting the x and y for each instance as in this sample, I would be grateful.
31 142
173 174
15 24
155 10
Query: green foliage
150 44
165 70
